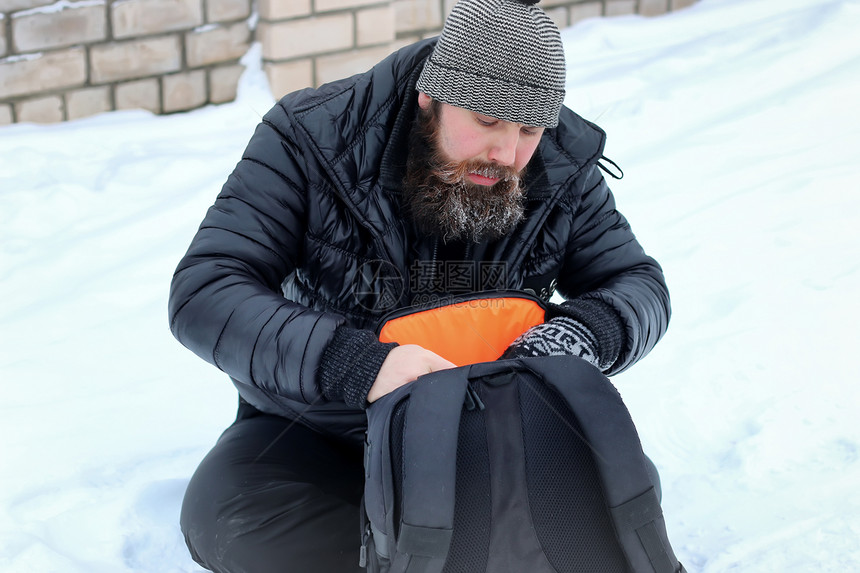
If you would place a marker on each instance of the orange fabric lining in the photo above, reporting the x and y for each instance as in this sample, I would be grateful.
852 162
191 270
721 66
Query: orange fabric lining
466 332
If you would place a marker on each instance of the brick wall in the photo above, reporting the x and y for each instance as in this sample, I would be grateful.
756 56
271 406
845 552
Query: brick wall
73 58
309 42
70 59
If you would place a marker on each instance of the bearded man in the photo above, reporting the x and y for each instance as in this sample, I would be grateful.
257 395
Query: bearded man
364 195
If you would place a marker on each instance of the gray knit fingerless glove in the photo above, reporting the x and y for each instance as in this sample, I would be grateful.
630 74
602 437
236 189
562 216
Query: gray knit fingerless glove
350 364
559 336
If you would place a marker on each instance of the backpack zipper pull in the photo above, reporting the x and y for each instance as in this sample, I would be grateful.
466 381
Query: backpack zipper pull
473 401
362 554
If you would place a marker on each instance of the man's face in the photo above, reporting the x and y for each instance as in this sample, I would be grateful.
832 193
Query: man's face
466 136
464 172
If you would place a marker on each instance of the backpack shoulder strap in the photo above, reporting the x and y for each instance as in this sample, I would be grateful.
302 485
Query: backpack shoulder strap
429 478
642 518
613 439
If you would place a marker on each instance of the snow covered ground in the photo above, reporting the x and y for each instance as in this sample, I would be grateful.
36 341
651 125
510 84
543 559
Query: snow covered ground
738 127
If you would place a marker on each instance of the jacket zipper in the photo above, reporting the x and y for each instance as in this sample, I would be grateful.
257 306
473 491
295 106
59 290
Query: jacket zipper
433 263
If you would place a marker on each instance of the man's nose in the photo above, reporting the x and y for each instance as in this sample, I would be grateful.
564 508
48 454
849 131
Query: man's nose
504 147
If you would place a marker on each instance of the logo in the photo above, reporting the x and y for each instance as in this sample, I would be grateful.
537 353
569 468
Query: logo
379 286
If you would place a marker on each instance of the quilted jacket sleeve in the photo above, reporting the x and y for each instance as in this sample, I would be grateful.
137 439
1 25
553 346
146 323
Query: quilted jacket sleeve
225 300
604 262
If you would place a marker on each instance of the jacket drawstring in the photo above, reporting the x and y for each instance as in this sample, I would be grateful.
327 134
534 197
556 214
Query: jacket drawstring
609 171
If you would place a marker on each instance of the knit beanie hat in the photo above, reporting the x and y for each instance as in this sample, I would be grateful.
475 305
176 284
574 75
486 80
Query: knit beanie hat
501 58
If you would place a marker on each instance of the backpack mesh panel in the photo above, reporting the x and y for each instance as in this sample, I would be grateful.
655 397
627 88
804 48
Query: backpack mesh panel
565 493
470 543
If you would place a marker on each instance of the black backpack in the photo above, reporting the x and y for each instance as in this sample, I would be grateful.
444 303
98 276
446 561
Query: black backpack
515 466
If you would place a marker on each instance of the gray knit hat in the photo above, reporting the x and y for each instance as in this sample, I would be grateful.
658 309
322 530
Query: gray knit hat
501 58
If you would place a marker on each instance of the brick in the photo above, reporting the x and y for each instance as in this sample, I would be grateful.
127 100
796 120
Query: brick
653 7
678 4
141 94
45 72
228 10
282 9
66 27
87 102
15 5
47 109
558 15
184 91
142 17
216 45
135 59
581 12
417 15
5 114
289 76
328 5
620 7
337 66
3 43
224 82
375 25
297 38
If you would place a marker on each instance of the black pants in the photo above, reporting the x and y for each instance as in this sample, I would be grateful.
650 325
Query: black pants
274 496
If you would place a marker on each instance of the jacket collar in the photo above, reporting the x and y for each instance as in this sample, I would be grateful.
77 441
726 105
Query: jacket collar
358 129
394 158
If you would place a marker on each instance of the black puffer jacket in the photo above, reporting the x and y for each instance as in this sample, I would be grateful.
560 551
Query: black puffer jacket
308 226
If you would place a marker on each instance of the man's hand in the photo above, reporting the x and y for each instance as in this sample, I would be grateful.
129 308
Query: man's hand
403 365
560 336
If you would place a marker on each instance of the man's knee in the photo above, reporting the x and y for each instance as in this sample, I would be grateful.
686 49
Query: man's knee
200 520
278 527
655 477
244 511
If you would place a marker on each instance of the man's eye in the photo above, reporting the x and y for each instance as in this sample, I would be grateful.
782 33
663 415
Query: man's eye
529 131
486 122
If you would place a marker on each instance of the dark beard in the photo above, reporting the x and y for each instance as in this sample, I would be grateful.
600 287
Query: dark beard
442 202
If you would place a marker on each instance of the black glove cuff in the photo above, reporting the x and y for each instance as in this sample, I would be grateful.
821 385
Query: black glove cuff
601 319
350 365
